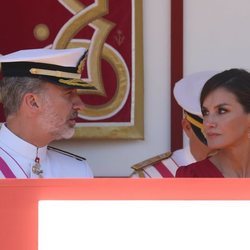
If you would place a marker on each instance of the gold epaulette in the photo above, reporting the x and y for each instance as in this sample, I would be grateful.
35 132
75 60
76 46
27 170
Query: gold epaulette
150 161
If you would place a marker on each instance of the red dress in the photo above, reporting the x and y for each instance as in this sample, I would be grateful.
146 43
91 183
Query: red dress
205 169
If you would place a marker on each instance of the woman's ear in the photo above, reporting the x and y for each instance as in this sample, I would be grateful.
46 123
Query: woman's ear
248 121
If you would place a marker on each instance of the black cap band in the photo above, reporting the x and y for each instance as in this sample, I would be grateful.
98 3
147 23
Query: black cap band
197 126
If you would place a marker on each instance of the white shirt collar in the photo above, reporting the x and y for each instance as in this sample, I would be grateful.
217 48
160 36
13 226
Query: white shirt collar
20 146
183 156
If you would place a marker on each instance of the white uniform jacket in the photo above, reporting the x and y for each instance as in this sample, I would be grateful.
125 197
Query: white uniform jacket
17 157
164 165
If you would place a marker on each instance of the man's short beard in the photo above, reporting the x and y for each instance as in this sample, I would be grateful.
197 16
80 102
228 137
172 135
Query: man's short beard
54 125
67 134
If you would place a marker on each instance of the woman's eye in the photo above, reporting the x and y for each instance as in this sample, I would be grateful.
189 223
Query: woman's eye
222 111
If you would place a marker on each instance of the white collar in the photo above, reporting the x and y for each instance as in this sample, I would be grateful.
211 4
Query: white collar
20 146
183 156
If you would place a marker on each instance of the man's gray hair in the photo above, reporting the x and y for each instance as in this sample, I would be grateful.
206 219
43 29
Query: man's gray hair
13 90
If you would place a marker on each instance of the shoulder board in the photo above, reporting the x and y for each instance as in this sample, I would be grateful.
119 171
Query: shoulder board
152 160
77 157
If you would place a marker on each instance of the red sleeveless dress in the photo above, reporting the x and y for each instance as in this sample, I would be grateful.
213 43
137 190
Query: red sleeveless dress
205 169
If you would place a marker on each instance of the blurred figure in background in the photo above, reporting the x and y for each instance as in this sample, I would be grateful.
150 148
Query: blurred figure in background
187 93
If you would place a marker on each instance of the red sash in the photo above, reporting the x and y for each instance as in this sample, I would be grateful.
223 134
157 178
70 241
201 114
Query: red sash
163 170
4 168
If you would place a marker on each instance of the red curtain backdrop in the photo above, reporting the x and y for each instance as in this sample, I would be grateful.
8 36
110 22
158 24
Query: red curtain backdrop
35 24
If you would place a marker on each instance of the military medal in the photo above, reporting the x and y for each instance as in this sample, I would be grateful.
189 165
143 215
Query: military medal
36 169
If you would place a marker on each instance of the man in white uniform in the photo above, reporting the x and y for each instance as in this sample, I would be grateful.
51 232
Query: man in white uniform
187 93
41 104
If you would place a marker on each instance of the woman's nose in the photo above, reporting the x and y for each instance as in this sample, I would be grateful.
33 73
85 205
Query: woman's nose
209 122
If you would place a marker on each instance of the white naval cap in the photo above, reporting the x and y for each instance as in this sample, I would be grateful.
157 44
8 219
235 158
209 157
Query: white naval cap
187 91
187 94
59 66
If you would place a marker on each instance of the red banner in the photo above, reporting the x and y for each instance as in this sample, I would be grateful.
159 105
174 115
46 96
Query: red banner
105 27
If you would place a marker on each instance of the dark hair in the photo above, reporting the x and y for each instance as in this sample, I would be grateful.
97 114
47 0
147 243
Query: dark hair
236 81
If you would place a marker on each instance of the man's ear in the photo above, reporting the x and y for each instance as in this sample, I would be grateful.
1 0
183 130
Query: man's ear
30 101
187 127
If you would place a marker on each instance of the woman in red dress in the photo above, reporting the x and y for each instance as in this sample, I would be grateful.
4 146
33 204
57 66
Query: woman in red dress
225 105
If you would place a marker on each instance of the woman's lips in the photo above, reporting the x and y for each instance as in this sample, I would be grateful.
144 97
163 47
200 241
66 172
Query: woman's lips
212 134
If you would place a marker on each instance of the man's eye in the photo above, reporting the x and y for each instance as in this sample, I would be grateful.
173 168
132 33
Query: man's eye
69 92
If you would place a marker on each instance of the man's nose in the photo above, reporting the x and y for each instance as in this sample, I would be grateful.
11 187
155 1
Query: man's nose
78 103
